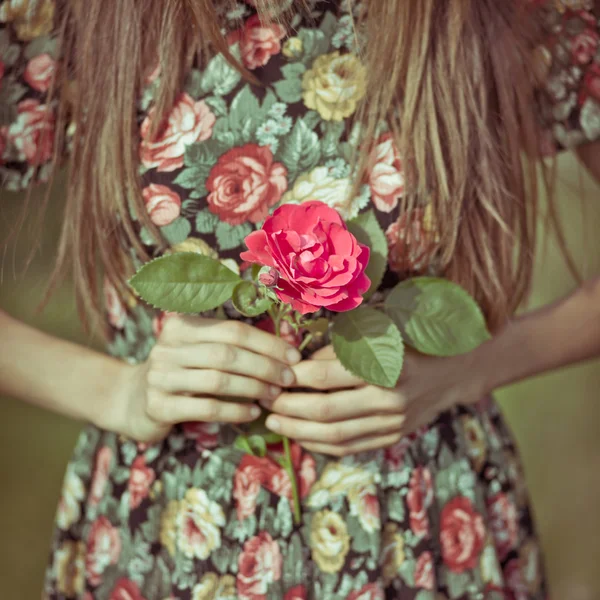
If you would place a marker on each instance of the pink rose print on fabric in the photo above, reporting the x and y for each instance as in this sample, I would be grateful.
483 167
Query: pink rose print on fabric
258 41
140 480
591 84
103 549
206 435
117 315
585 45
462 534
371 591
104 458
259 565
187 123
126 590
419 499
40 72
320 263
244 184
296 593
503 523
385 174
424 571
162 203
32 132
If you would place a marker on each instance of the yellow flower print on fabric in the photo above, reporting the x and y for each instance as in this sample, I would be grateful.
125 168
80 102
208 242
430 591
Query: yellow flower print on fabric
193 525
329 541
69 565
334 85
393 554
30 18
212 587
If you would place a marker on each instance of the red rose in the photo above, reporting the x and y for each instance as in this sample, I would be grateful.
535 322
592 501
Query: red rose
419 499
187 123
296 593
103 549
584 46
371 591
286 331
103 461
244 184
205 434
126 590
162 203
259 565
140 480
386 177
461 534
32 133
258 41
503 524
411 242
320 263
424 571
40 72
117 315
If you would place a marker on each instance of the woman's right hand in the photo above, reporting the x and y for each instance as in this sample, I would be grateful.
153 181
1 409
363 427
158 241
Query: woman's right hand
194 362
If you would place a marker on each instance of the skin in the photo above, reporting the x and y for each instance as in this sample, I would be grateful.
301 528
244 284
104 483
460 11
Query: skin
197 360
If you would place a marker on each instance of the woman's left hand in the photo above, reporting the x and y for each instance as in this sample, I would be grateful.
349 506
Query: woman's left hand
346 416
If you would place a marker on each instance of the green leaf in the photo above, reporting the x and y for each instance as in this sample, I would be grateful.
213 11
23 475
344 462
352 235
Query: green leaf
314 43
231 236
258 445
217 105
365 227
219 76
247 301
206 222
241 443
184 282
177 231
369 345
318 326
293 70
300 151
244 109
437 317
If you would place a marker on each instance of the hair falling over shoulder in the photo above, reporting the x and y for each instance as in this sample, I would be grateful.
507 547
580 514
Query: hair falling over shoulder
452 78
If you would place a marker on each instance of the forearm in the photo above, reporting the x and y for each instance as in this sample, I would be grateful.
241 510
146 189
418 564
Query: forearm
555 336
56 374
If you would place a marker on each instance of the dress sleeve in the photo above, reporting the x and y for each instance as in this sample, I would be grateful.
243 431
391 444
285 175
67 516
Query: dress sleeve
569 58
28 62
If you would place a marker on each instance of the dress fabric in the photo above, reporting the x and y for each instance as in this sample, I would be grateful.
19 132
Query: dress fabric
444 514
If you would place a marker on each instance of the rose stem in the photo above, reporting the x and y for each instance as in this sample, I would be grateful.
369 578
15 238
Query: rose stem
289 467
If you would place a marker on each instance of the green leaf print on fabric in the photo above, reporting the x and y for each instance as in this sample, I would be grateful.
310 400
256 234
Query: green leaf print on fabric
289 89
231 236
206 222
220 77
300 150
217 105
244 109
314 43
177 231
39 46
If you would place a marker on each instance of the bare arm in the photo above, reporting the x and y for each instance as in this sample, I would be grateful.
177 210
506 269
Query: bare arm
56 374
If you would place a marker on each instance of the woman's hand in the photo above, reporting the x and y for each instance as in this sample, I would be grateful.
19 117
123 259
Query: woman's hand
194 362
345 416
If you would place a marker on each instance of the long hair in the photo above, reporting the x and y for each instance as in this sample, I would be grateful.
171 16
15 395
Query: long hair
453 79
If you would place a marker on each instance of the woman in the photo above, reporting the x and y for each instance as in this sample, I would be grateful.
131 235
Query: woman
187 122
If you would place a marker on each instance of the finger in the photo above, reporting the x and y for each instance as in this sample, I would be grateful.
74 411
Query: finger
335 433
325 375
224 357
363 445
337 406
194 330
171 409
212 383
324 353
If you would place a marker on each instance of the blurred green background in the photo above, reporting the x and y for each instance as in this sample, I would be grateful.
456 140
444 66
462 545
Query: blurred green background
556 418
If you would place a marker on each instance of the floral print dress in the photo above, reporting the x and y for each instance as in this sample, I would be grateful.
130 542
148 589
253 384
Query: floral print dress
443 514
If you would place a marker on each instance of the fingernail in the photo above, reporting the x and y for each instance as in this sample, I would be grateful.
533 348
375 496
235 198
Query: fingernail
293 356
274 391
287 377
255 412
273 424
